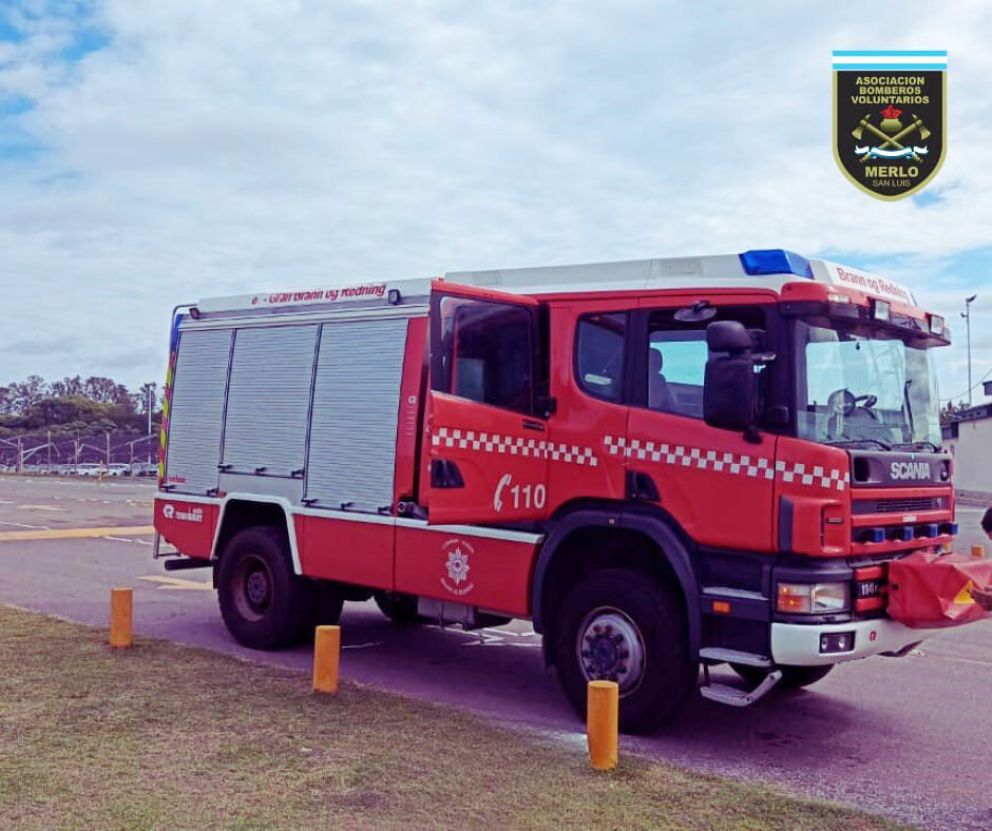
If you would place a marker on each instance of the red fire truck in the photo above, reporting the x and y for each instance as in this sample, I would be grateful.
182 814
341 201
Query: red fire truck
663 464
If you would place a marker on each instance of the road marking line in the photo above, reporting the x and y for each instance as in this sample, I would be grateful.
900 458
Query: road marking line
179 583
24 525
970 661
72 533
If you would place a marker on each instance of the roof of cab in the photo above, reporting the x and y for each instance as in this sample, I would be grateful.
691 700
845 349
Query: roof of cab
764 268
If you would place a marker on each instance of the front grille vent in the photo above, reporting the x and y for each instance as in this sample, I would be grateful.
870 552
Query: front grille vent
904 505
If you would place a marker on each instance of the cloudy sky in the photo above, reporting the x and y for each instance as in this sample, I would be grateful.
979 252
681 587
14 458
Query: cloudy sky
153 153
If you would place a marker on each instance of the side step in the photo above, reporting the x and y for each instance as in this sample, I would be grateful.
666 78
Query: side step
717 655
734 697
183 563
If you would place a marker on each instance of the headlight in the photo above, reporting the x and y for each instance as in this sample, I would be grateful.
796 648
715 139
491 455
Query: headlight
813 598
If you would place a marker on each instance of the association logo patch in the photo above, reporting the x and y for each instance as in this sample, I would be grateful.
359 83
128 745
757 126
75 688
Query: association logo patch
890 116
457 554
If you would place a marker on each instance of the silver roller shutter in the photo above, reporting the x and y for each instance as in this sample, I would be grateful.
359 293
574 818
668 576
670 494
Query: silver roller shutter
355 406
268 399
197 412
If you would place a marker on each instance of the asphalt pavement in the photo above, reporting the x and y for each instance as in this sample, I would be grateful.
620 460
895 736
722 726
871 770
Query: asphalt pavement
909 738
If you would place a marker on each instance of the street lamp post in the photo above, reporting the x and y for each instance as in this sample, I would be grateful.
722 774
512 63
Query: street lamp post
966 314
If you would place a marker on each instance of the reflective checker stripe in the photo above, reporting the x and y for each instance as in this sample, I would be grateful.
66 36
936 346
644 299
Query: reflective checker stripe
513 445
735 464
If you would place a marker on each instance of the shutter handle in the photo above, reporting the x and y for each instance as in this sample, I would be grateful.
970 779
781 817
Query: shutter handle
261 470
296 474
224 468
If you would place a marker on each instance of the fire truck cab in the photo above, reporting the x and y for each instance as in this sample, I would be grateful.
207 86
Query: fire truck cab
662 463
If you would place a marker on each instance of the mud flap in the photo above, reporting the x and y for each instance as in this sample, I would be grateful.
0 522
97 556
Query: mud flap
928 591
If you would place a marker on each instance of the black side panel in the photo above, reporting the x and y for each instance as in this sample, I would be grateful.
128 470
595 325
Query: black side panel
786 513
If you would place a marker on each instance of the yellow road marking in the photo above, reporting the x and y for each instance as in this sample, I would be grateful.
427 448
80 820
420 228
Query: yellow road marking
77 533
179 583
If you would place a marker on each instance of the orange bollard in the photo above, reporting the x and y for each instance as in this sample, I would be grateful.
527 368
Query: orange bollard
120 618
978 552
326 659
602 723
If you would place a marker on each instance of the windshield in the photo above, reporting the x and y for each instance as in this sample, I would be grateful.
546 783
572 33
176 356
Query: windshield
868 387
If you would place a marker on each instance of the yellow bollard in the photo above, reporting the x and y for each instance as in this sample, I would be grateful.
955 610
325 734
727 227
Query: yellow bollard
602 723
120 618
326 659
978 552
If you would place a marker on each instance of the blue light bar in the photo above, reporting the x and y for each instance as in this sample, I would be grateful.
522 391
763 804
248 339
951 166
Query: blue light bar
950 528
873 535
932 530
776 261
906 534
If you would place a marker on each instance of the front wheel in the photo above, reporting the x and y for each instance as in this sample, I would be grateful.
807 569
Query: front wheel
625 626
793 678
263 603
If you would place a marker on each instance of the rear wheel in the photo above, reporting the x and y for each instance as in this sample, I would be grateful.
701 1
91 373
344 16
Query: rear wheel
626 626
327 604
263 603
793 678
399 608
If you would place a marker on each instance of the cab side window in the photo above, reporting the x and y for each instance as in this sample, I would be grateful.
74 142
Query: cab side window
600 343
487 353
676 366
677 355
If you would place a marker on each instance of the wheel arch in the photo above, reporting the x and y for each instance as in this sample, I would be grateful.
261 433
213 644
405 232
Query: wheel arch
240 510
655 540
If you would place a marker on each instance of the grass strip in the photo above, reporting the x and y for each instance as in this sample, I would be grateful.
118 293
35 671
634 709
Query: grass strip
163 736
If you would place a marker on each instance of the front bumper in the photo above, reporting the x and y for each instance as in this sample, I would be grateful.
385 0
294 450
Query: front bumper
799 644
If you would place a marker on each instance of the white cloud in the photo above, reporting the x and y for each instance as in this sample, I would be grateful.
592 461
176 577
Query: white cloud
217 147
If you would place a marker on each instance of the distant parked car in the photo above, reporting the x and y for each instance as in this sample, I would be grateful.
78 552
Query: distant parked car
118 469
144 469
89 470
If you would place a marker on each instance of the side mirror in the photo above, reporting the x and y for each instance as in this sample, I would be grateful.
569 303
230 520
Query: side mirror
730 385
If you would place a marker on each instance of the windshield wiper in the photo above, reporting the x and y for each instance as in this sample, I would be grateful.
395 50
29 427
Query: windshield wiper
846 442
918 445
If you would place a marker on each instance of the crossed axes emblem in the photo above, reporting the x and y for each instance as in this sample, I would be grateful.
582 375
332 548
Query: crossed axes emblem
894 141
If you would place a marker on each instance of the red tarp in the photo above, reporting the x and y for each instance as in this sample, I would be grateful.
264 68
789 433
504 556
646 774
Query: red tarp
929 590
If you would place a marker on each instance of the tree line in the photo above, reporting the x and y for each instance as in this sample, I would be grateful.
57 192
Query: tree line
75 404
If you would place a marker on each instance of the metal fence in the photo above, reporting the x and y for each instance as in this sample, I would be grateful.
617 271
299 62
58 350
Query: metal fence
45 453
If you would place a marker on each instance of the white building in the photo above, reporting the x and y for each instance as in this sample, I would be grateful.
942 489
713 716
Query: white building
969 438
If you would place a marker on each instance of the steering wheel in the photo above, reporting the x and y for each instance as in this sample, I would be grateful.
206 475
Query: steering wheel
845 402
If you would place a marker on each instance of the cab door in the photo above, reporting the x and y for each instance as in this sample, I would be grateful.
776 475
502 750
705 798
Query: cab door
487 443
718 486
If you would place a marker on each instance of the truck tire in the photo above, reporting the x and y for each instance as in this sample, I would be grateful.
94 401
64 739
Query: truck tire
399 608
263 603
793 678
626 626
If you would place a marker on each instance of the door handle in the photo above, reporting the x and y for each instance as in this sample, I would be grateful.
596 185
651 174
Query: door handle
534 424
641 486
445 475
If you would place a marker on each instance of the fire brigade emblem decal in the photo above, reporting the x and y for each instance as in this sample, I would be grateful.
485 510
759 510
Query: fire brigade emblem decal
457 553
890 112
